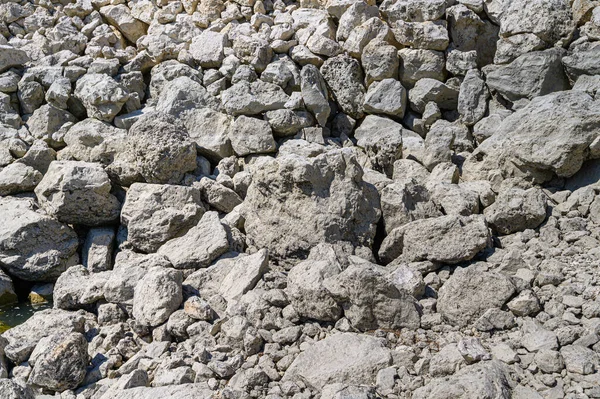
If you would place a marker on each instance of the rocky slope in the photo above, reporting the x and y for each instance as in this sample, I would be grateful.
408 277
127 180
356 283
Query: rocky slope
319 199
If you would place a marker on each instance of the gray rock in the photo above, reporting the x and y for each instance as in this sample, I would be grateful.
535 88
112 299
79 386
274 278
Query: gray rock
59 361
251 136
162 151
155 213
340 358
311 187
582 63
207 49
209 129
11 390
18 178
482 380
286 122
381 138
380 61
530 75
469 32
120 16
183 391
579 359
77 288
78 192
428 35
101 96
386 97
97 251
469 293
217 195
201 245
344 76
7 292
495 319
182 95
516 210
46 123
314 93
157 295
12 57
561 126
472 98
246 98
549 361
413 11
420 64
23 338
93 141
427 89
33 246
370 300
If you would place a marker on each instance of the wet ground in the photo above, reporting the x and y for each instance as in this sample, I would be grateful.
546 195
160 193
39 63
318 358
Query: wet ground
15 314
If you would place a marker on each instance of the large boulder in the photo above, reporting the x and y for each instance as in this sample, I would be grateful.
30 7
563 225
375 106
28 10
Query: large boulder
92 140
155 213
18 178
551 135
340 358
209 129
469 293
77 288
79 193
120 17
101 95
59 361
295 203
516 210
344 76
33 246
157 295
12 57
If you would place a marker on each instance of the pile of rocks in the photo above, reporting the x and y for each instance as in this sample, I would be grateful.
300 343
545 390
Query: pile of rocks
319 199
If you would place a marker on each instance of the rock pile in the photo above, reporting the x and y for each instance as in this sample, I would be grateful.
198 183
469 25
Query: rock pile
326 199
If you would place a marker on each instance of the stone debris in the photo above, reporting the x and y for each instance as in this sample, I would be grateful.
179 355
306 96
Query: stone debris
334 199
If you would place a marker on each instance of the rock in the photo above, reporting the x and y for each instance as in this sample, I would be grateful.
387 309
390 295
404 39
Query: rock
426 90
536 337
516 210
436 239
495 319
12 57
97 251
549 361
420 64
101 95
530 75
386 97
217 195
381 138
482 380
472 350
469 32
579 359
33 246
47 123
244 275
413 11
78 192
59 361
120 17
183 391
340 358
344 76
244 98
209 129
182 95
469 293
7 289
428 35
563 123
311 186
93 141
157 295
201 245
370 300
379 61
251 136
581 63
314 93
207 49
472 98
77 288
446 361
23 338
286 122
18 178
11 390
155 213
162 151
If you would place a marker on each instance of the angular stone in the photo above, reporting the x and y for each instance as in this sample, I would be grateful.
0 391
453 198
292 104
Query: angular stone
251 136
244 98
386 97
157 295
77 288
12 57
417 64
516 210
209 129
207 49
472 98
120 17
101 96
344 76
18 178
314 93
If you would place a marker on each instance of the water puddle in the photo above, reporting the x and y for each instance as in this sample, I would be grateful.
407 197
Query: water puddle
17 313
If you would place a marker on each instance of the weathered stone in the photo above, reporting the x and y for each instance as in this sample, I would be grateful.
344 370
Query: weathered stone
251 136
101 95
207 49
386 97
314 93
157 295
472 98
18 178
516 210
120 17
12 57
77 288
344 76
246 98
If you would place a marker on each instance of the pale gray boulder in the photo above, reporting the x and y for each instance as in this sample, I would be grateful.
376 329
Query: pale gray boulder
469 293
201 245
77 288
97 251
18 178
413 11
472 98
50 124
78 192
33 246
417 64
482 380
209 129
12 57
155 213
207 49
286 122
379 61
314 93
217 195
386 97
101 96
92 140
182 95
326 201
251 136
244 98
551 135
157 295
120 16
581 64
530 75
354 15
469 32
427 89
59 361
580 360
446 239
344 76
23 338
381 139
7 293
428 35
516 210
183 391
11 390
340 358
